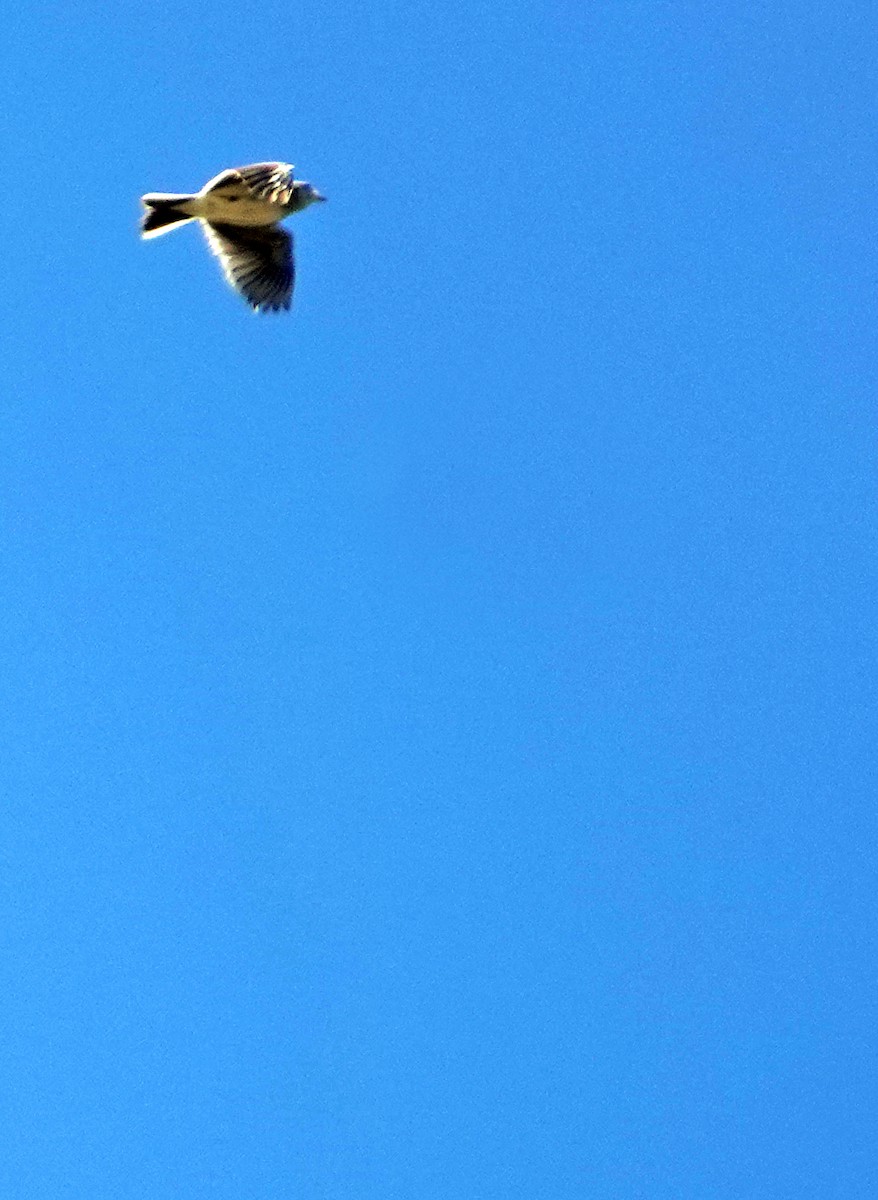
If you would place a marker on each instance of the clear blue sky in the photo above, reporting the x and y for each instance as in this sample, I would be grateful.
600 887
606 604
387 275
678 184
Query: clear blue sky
438 741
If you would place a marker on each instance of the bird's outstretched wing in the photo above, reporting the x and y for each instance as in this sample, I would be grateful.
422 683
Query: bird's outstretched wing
266 181
257 262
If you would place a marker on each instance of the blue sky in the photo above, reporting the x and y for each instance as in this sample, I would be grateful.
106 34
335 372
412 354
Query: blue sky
439 743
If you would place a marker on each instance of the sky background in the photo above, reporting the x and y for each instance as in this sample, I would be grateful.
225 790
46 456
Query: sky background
438 724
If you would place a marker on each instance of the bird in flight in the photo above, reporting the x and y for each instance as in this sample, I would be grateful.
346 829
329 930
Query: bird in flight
239 211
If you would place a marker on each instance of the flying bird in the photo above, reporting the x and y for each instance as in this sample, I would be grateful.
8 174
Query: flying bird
239 211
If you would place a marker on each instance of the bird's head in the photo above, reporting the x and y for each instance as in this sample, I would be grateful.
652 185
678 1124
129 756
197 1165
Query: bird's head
305 194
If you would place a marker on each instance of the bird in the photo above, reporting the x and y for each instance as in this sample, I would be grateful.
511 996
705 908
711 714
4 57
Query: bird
239 211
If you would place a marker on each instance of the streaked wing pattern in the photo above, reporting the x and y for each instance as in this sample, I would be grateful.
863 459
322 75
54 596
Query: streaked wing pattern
267 181
257 262
228 182
270 181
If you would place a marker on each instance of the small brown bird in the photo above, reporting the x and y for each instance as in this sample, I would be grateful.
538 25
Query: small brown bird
239 211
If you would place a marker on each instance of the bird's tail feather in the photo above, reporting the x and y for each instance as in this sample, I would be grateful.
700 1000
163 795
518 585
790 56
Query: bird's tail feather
164 212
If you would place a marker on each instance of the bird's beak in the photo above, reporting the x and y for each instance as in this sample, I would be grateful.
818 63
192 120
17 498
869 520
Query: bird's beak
319 196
